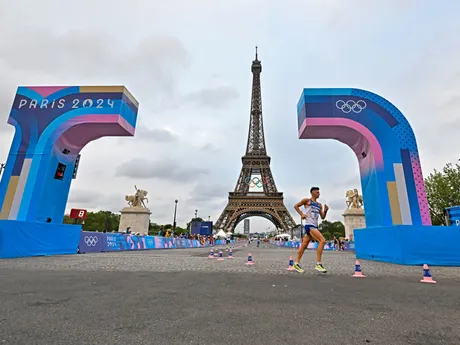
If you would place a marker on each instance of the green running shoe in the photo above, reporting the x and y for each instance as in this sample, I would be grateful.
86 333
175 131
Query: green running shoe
320 268
298 268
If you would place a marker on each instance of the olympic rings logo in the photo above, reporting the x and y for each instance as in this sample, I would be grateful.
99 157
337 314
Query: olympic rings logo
255 182
351 106
91 241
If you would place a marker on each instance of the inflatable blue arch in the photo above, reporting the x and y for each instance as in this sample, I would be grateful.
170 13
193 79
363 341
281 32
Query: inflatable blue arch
396 208
52 125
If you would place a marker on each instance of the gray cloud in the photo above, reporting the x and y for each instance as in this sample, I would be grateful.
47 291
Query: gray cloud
156 134
347 183
164 169
218 97
7 93
154 64
95 200
208 193
161 211
290 201
454 101
210 147
84 196
337 205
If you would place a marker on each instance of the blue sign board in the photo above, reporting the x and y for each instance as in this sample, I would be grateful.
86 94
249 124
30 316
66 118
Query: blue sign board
206 228
452 216
201 228
195 228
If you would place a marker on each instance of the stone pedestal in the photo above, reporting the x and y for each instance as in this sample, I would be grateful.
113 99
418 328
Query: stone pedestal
136 218
353 219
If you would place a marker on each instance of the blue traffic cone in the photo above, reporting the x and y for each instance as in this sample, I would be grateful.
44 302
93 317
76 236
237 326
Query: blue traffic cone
427 275
249 260
358 273
291 264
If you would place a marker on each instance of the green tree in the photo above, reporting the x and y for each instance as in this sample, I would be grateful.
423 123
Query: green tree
106 220
154 227
180 230
331 229
100 221
67 220
442 190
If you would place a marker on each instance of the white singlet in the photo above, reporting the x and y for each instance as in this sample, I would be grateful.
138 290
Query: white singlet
312 213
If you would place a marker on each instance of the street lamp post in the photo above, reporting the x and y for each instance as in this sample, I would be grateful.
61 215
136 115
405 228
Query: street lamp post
175 212
196 214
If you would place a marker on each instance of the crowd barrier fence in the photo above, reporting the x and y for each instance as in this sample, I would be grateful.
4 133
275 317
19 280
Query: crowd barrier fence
311 245
96 242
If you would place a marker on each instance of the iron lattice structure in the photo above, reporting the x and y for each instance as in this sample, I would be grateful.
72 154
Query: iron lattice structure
242 203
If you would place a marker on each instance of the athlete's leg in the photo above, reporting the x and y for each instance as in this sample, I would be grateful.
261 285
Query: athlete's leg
305 241
318 236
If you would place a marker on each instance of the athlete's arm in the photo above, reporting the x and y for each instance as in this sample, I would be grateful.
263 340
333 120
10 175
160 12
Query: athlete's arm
297 206
323 211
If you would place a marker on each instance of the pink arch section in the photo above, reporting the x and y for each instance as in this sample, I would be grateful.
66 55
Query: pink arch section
45 91
75 133
342 122
420 188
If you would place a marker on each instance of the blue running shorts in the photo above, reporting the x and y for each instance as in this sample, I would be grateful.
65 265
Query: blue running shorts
307 229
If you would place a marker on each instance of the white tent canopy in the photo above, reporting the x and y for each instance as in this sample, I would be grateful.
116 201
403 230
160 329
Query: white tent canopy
221 233
283 235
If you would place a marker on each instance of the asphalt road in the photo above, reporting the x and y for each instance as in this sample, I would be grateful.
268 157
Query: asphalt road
182 297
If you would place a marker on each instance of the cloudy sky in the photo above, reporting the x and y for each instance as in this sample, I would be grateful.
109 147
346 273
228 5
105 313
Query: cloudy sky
188 64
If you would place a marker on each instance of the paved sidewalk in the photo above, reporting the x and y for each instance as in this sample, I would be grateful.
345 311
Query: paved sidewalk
182 297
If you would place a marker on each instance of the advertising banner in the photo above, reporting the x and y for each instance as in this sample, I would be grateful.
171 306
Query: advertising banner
206 228
195 228
117 242
201 228
149 242
164 242
91 242
311 245
182 243
246 227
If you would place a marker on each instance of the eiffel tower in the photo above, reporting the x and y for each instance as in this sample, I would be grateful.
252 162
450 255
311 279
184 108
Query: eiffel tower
267 203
